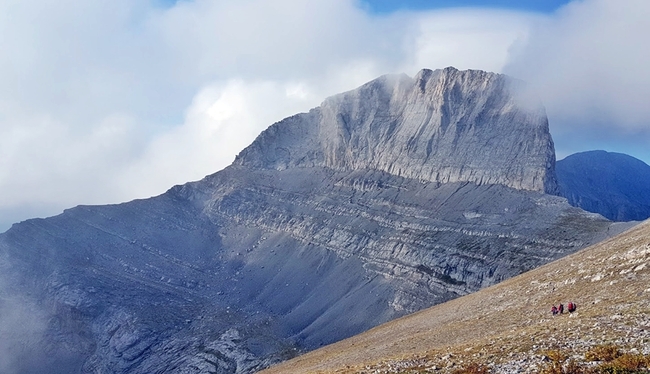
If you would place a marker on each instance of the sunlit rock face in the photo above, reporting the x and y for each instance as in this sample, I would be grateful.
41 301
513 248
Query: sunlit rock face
387 199
441 126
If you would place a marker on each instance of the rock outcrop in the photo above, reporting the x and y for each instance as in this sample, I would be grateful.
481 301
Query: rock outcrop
441 126
612 184
396 196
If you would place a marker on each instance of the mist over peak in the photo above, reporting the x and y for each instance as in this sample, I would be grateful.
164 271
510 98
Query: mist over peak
440 126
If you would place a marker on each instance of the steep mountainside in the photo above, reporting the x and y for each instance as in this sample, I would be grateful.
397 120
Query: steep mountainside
441 126
612 184
508 328
399 195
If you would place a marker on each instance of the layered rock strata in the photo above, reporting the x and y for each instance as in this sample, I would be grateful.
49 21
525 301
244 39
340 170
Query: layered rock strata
442 126
387 199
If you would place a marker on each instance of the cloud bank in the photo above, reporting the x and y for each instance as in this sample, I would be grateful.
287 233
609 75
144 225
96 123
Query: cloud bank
590 64
103 103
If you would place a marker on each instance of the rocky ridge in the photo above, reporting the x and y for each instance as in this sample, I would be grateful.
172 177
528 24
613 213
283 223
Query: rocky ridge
396 196
441 126
508 328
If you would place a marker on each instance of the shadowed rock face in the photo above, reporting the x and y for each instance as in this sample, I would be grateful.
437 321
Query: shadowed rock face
612 184
396 196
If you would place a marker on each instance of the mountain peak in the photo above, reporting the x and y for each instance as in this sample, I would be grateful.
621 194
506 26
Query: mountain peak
329 224
440 126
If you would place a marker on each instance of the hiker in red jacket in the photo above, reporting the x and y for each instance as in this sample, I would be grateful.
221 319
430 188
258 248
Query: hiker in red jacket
554 310
571 307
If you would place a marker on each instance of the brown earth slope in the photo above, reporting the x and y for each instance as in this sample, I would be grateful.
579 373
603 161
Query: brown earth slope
508 327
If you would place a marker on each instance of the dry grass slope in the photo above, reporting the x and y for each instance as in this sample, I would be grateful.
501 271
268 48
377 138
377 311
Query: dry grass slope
508 327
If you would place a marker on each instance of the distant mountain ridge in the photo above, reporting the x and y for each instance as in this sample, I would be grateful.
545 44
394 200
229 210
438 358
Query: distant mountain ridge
387 199
612 184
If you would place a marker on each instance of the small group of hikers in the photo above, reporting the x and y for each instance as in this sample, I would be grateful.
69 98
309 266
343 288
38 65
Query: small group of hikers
571 307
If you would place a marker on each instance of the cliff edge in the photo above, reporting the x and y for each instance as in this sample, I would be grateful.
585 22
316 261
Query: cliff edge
441 126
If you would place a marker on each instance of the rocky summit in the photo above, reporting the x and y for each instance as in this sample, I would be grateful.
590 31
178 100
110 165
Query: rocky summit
442 126
398 195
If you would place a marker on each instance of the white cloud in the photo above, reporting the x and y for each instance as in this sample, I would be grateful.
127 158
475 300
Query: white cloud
290 66
221 121
590 64
467 38
105 102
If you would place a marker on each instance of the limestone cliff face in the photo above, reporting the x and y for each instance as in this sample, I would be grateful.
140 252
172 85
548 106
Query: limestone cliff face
441 126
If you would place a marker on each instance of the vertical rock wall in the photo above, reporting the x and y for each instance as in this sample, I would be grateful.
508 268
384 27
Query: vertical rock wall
440 126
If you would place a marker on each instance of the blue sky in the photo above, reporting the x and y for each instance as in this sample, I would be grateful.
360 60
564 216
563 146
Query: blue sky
104 102
387 6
